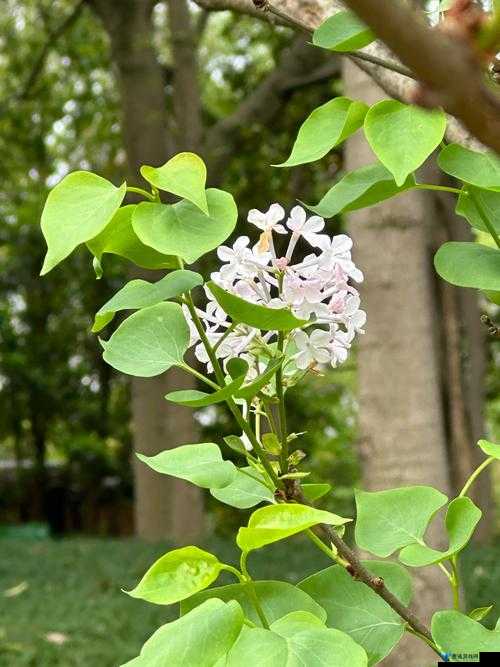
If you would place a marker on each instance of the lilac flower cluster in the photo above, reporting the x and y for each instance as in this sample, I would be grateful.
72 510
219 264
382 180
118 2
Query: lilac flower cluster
316 289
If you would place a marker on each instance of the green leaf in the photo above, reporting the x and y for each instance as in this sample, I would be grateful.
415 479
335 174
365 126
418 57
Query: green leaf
250 390
141 293
197 399
296 639
235 443
489 202
469 265
403 136
479 613
360 188
454 632
253 314
119 238
461 519
149 342
326 127
356 609
199 638
76 210
315 491
201 464
245 490
184 175
490 448
389 520
277 599
177 575
275 522
271 443
479 169
343 32
182 229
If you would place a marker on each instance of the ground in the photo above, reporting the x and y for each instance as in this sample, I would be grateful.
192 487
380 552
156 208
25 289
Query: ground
61 603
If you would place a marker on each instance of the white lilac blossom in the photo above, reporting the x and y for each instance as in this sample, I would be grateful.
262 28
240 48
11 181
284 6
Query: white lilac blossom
316 288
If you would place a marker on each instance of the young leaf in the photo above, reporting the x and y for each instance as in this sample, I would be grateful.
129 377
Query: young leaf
315 491
200 464
183 175
276 522
461 519
326 127
193 398
140 294
479 613
490 448
356 609
469 265
454 632
245 490
182 229
296 639
177 575
119 238
343 32
489 202
277 599
76 210
403 136
149 342
389 520
199 638
360 188
253 314
479 169
236 444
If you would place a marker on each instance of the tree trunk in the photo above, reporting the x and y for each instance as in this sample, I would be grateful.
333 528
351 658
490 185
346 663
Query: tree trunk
164 507
400 405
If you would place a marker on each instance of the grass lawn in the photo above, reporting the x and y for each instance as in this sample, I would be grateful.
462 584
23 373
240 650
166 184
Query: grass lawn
70 591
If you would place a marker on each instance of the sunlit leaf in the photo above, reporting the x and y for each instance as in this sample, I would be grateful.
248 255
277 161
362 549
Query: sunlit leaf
479 169
343 32
245 490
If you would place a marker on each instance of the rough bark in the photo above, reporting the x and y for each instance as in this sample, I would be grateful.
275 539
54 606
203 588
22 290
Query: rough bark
401 414
164 508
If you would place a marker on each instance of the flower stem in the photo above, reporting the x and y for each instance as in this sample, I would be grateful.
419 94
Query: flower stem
282 410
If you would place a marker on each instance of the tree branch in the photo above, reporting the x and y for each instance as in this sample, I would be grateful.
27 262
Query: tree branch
52 37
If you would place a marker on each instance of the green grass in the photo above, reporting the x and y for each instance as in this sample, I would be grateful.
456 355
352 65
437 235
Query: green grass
73 588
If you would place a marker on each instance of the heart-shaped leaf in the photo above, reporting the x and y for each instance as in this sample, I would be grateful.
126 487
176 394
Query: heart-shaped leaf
200 464
489 202
462 518
343 32
245 490
469 265
389 520
149 342
276 522
326 127
182 229
253 314
403 136
199 638
277 599
296 639
479 169
490 448
141 293
76 210
184 175
177 575
454 632
356 609
360 188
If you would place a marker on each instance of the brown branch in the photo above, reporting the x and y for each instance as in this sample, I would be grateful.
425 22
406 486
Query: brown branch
52 37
